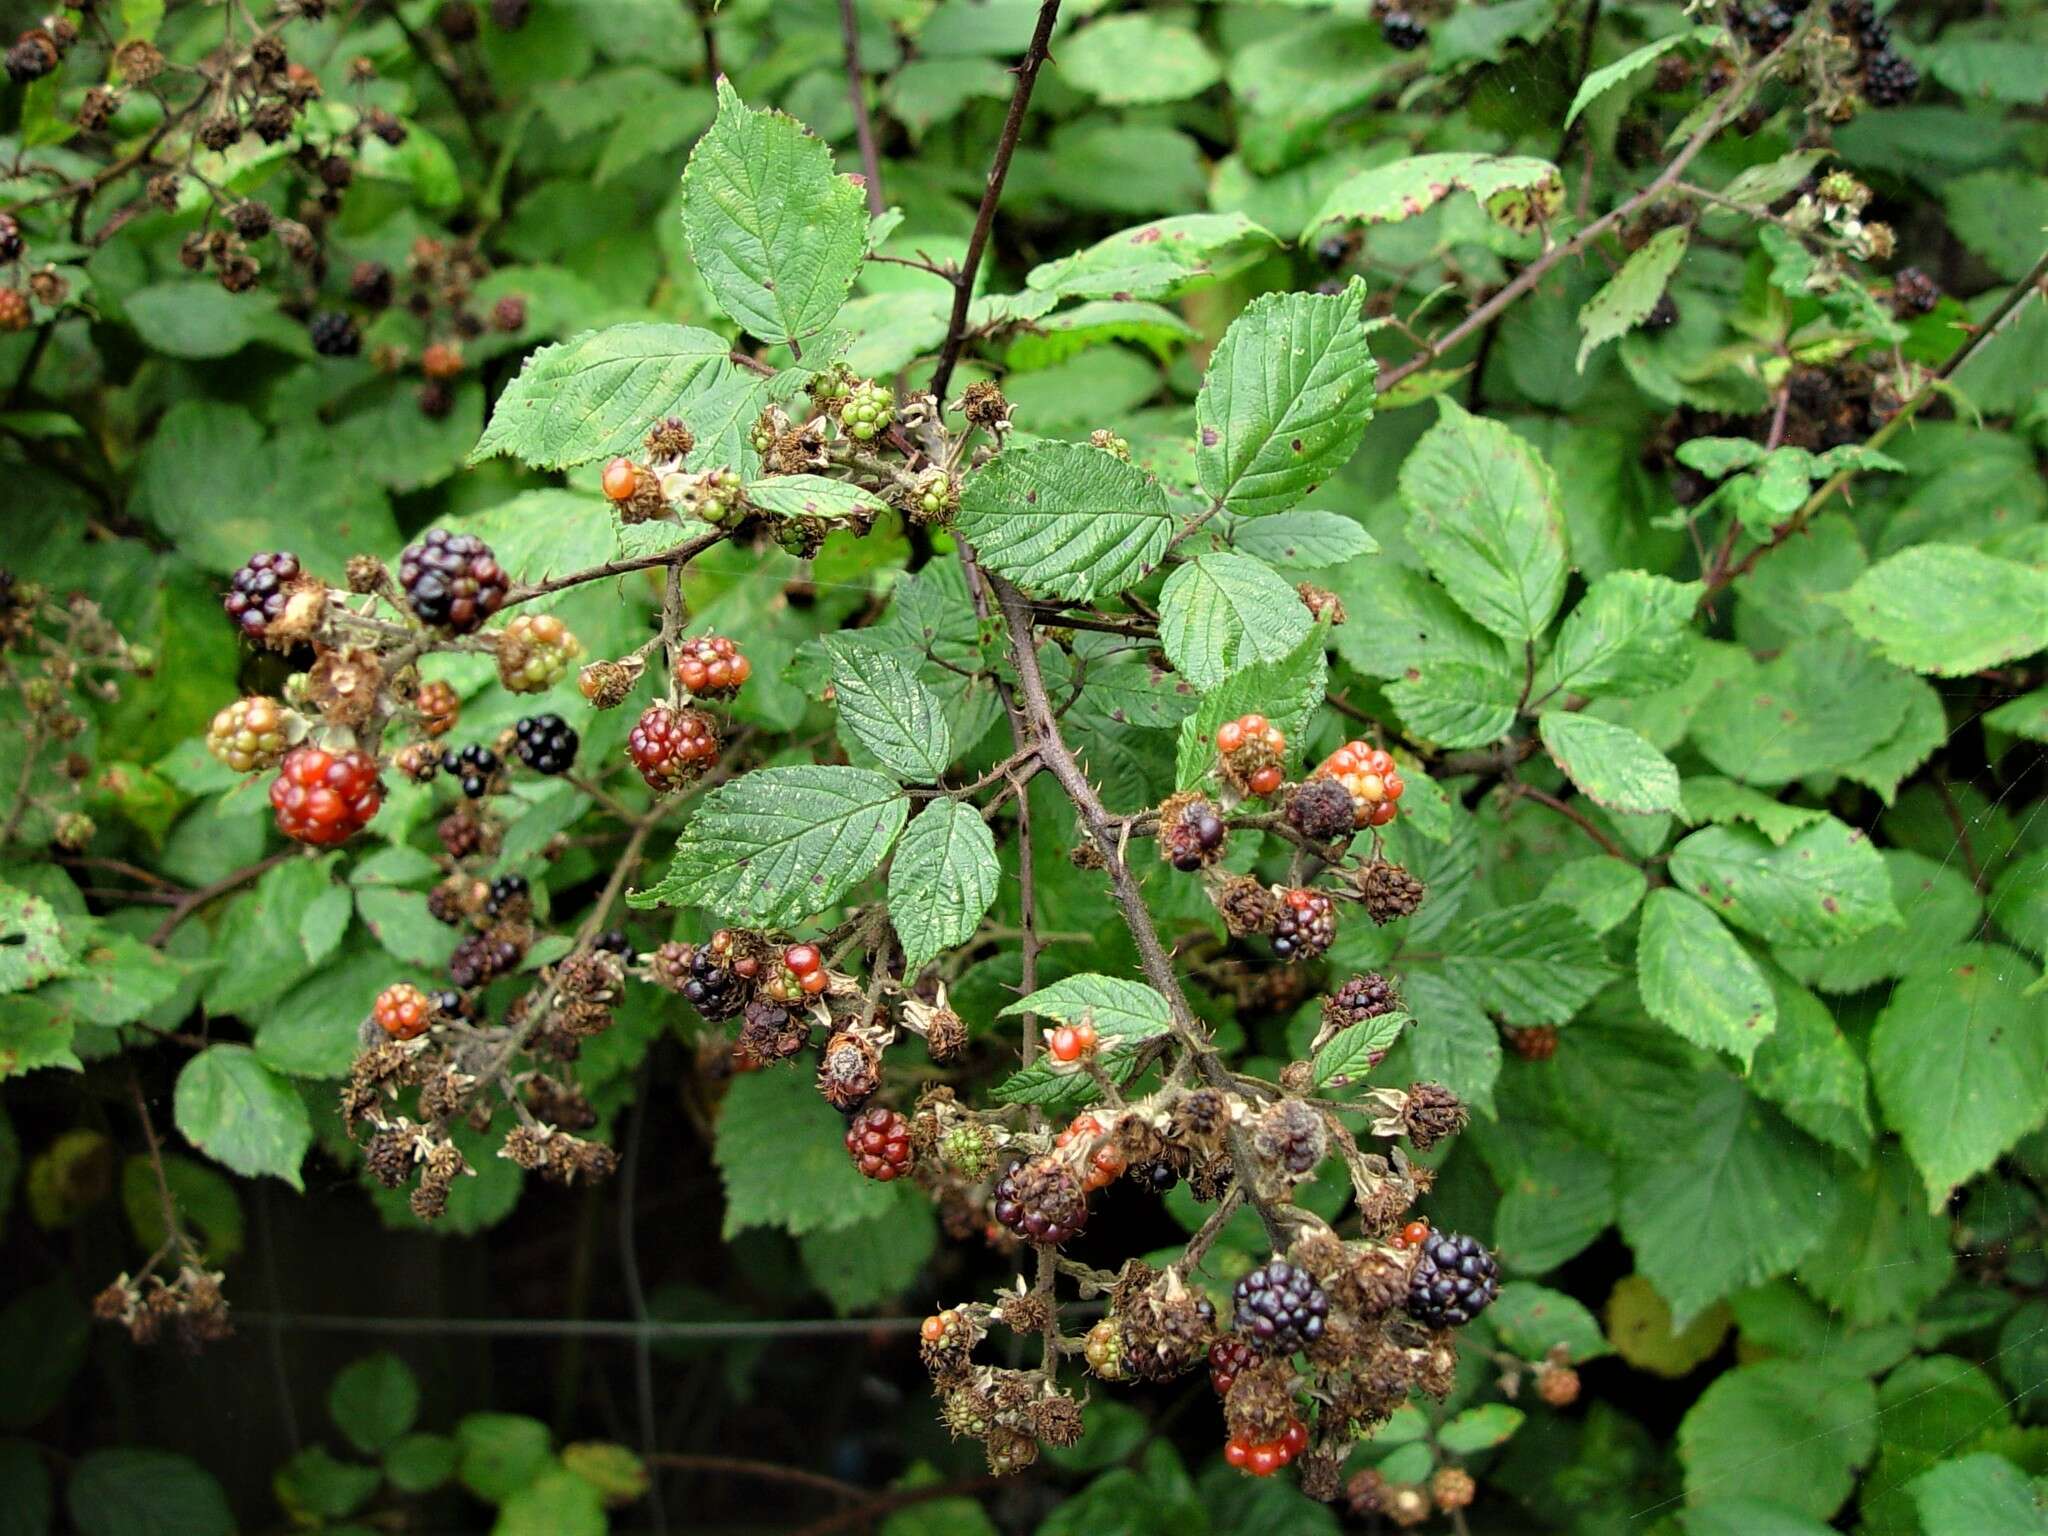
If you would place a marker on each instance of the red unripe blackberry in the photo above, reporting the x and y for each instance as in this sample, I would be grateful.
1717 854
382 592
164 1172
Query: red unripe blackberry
1369 777
259 591
878 1141
1229 1357
1306 926
711 667
323 797
621 479
672 746
1455 1279
1557 1385
442 360
403 1011
509 313
1538 1042
1070 1042
452 580
15 313
11 242
1280 1308
1413 1235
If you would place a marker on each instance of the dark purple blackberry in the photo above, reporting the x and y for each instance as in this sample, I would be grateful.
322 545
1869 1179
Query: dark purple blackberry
1306 926
1158 1175
474 766
452 580
1455 1280
450 1003
370 284
545 743
334 334
1403 31
1914 293
1889 80
482 958
613 941
1663 314
1321 809
508 891
713 989
1360 998
1191 832
1042 1202
11 242
258 592
1280 1309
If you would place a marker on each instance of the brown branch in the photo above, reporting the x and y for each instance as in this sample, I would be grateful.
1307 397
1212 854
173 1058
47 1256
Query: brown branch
192 901
998 172
679 555
863 125
744 1466
1576 817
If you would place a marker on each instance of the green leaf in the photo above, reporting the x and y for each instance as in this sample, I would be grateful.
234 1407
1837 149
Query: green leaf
44 1331
31 1507
1303 539
1627 298
1453 1042
778 844
1628 636
420 1463
1790 1431
1134 59
942 881
777 236
1725 1195
1483 514
1720 801
1160 260
1822 702
1516 191
1065 519
1456 703
611 1469
1353 1052
2025 716
1809 1070
1285 400
1480 1429
32 943
314 1486
1056 338
876 1260
1532 1320
497 1454
1602 889
1959 1057
812 496
2019 901
1886 1256
1699 980
190 317
1530 964
1287 692
1612 766
1125 1014
1949 609
205 1202
1604 79
785 1165
238 1112
886 708
374 1401
1219 612
1976 1494
596 394
135 1492
1825 885
556 1503
33 1035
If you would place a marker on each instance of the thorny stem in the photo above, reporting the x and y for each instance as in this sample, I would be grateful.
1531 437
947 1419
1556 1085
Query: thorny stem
863 125
998 172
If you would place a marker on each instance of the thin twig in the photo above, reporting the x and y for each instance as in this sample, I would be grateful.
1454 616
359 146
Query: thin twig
863 126
745 1466
192 901
1575 816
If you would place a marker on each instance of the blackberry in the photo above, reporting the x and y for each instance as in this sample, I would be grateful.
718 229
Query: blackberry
1157 1175
1455 1280
1536 1043
1321 810
1889 80
1291 1137
452 580
11 242
33 56
1190 832
711 667
1361 998
323 797
1387 891
878 1141
370 284
475 767
259 591
613 941
712 987
450 1003
770 1033
1306 926
1403 31
1663 314
334 334
1914 293
1279 1309
1229 1358
1042 1202
1432 1114
534 652
510 15
670 746
509 892
482 958
545 743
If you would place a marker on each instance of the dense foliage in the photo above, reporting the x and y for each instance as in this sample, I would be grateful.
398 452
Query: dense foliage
1298 746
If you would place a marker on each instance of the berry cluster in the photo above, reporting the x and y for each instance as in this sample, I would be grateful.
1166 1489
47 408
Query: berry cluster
1191 832
711 667
438 706
1889 80
1369 777
403 1011
1279 1308
713 977
1252 749
545 743
1455 1280
1229 1358
1042 1202
534 652
802 974
1070 1042
867 410
878 1141
258 592
1265 1459
1105 1163
452 580
323 797
248 735
475 768
1305 926
672 746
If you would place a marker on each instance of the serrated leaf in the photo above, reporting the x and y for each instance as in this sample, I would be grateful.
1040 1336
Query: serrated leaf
1949 609
595 394
889 710
1160 260
1456 703
1480 1429
240 1113
1887 1255
374 1401
1697 979
1809 1070
1959 1058
1819 703
1285 400
942 880
1483 514
1453 1041
1355 1051
1977 1493
1516 191
1219 612
871 1262
1065 519
139 1492
1627 298
1125 1014
812 496
1135 59
1628 636
1603 890
783 1164
1532 1320
1612 766
33 947
1306 538
1720 801
1530 964
777 236
1604 79
778 844
1792 1432
1287 692
1826 884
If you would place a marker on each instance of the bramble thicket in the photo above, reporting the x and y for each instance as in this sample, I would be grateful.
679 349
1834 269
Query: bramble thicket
953 767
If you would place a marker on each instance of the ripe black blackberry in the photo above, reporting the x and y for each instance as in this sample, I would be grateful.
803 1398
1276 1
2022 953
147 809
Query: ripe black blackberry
1663 314
452 580
1888 79
1307 924
334 334
712 987
1280 1309
259 591
509 893
482 958
1191 832
1403 31
1388 891
1914 293
370 284
252 220
474 767
1042 1202
1157 1175
1455 1280
1322 809
545 743
1358 999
